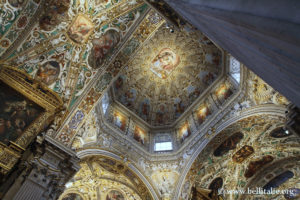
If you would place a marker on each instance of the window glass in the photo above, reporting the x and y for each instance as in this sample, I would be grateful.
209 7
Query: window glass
105 103
235 69
163 146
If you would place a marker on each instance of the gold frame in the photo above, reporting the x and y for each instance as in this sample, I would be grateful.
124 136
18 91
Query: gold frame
39 94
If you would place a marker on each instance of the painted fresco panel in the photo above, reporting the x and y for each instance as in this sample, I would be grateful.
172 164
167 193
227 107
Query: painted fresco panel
120 120
202 113
214 186
279 180
81 29
103 47
164 63
223 92
256 165
184 132
140 135
229 144
48 72
16 113
242 154
115 195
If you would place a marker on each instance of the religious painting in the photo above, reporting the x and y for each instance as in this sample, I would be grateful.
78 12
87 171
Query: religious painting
293 194
160 116
76 119
202 112
214 58
223 93
55 13
115 195
179 107
214 186
229 144
120 121
256 165
48 72
193 92
16 113
140 135
164 63
80 29
132 177
128 98
16 3
107 161
207 77
103 47
278 180
145 109
184 132
242 154
72 196
109 168
279 133
119 83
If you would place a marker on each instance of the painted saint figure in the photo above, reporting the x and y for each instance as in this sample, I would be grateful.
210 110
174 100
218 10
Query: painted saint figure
139 135
202 113
80 29
164 63
16 114
102 47
48 72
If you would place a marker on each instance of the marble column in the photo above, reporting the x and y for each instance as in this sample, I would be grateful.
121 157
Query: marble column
45 174
262 34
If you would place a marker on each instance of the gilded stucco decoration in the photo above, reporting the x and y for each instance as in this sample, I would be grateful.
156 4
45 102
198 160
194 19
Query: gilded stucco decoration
167 75
106 178
88 133
261 93
66 45
246 158
165 180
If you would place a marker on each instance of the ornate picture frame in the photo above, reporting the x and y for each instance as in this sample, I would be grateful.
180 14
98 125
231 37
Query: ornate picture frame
28 107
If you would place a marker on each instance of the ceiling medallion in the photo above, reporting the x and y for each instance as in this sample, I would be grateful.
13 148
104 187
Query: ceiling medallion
164 63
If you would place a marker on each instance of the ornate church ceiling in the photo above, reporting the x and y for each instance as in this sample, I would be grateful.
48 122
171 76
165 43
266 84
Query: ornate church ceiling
248 154
105 178
63 44
168 74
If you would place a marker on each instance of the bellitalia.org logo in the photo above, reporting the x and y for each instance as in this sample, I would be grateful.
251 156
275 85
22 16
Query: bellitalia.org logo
255 191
